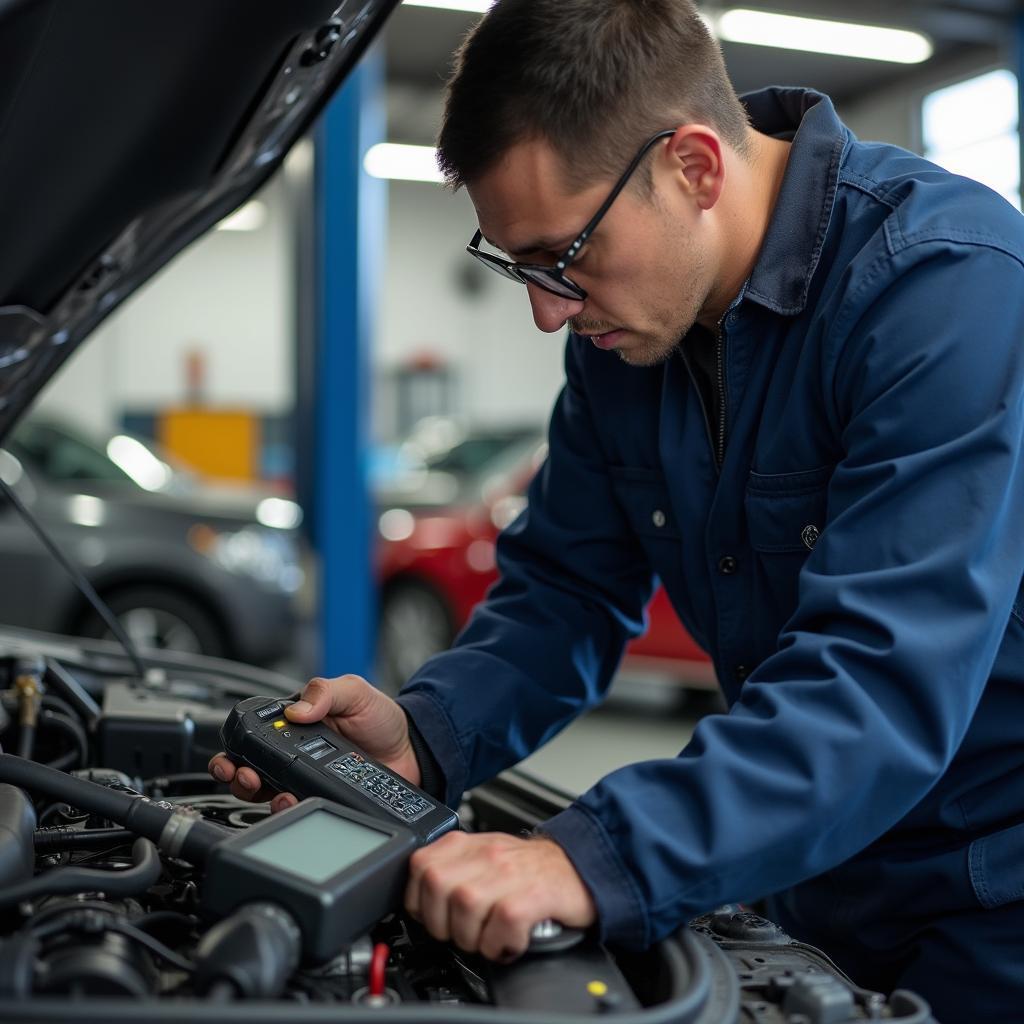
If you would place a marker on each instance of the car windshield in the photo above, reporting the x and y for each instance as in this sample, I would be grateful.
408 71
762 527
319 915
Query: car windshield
60 454
64 454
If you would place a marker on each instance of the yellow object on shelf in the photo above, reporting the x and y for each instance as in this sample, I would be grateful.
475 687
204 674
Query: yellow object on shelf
216 442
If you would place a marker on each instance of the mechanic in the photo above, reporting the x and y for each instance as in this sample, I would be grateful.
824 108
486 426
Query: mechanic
794 393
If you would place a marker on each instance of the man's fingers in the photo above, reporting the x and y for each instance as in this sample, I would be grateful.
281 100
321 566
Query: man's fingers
221 768
448 893
434 907
486 891
248 779
342 695
244 782
282 802
468 907
421 893
353 708
247 785
505 934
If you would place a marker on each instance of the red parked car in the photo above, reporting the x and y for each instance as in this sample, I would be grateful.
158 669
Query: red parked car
436 561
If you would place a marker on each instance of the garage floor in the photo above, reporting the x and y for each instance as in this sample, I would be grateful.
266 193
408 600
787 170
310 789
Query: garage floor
637 724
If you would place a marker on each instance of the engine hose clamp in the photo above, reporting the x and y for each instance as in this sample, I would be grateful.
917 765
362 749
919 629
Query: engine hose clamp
175 832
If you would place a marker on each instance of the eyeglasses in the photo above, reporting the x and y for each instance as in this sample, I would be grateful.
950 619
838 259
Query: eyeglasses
553 279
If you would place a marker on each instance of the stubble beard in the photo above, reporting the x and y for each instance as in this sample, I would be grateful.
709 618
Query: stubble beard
671 327
670 324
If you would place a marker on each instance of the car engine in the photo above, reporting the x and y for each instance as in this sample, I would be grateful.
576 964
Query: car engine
98 922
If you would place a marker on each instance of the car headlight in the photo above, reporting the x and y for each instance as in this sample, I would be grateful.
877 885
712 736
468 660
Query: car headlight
268 556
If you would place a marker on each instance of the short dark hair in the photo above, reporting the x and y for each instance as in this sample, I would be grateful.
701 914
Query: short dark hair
593 78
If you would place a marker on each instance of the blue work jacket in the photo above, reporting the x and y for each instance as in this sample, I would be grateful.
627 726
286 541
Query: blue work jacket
850 556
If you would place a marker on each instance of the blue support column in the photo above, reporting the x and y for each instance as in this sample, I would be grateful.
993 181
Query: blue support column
351 216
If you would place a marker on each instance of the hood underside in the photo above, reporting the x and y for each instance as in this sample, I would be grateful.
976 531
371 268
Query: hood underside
127 129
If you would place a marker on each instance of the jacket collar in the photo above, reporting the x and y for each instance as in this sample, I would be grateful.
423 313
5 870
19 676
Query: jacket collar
792 246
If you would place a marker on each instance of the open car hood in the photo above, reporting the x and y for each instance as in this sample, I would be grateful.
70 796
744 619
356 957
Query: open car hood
127 129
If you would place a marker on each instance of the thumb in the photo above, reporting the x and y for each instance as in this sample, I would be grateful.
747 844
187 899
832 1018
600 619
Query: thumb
322 697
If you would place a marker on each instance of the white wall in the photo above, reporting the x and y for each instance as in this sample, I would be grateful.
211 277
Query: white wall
506 369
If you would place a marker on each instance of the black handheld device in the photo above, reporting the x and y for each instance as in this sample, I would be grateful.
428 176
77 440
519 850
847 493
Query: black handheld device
336 871
314 760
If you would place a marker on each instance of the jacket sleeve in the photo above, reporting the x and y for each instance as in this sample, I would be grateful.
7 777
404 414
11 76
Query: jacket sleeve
545 643
902 606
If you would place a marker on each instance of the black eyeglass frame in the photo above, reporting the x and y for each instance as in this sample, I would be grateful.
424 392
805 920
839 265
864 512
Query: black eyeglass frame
538 274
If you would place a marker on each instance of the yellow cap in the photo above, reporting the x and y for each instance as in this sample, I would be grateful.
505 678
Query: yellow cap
280 723
597 988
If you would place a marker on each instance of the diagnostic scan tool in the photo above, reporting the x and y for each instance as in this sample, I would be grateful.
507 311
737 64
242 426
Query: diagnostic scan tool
336 871
314 760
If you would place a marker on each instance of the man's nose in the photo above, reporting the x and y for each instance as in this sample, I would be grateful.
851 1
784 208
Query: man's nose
551 311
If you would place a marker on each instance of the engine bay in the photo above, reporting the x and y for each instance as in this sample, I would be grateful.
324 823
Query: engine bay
99 921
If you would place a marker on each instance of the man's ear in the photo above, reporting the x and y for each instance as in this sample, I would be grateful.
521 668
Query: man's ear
696 154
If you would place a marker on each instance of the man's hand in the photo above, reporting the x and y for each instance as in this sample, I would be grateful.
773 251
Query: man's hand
354 709
485 892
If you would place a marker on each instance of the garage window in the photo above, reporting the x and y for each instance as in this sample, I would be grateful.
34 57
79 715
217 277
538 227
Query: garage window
972 128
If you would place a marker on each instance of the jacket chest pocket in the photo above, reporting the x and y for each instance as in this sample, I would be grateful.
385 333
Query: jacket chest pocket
786 512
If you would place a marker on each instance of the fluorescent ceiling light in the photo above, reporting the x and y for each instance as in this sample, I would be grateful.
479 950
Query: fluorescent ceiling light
843 39
470 6
408 163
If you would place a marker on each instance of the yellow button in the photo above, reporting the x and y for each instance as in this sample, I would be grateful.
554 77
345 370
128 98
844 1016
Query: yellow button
597 988
280 723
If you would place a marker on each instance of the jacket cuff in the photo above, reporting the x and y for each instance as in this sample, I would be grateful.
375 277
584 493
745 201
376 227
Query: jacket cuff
620 911
433 742
431 777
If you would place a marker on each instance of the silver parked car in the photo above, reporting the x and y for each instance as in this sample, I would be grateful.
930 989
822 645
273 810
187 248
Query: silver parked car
183 566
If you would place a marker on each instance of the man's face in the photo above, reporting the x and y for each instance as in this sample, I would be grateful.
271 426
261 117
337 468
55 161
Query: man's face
646 269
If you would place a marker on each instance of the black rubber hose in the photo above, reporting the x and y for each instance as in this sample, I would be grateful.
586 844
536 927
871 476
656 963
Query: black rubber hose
145 871
97 917
37 778
17 824
194 838
59 838
253 952
64 761
57 704
71 729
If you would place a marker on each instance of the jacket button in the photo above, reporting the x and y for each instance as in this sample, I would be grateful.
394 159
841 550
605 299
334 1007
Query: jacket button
727 565
658 518
741 672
